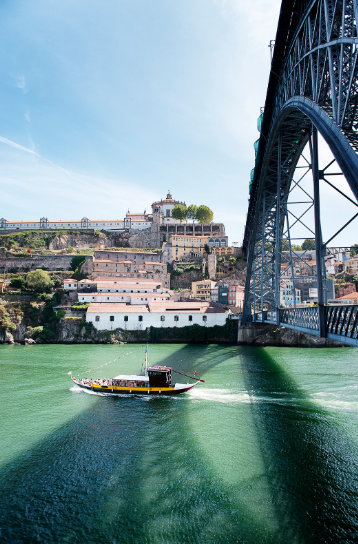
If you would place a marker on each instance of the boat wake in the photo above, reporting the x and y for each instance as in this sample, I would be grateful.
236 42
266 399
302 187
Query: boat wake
76 389
220 395
336 401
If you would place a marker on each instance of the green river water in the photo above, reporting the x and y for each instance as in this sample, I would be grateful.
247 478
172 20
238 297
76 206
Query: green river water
265 451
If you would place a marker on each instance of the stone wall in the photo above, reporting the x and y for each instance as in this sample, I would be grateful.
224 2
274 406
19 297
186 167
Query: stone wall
264 334
51 262
145 238
344 289
185 279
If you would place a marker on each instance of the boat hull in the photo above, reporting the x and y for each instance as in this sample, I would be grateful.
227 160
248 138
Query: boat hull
144 391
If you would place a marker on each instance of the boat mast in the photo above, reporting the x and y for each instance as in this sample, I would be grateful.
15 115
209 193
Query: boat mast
146 360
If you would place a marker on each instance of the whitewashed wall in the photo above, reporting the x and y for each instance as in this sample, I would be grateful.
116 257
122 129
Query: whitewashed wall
108 297
152 320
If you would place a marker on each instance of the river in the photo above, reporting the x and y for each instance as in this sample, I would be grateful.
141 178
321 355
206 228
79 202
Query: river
265 451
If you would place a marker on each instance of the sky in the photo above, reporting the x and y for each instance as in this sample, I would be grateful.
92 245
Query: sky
105 106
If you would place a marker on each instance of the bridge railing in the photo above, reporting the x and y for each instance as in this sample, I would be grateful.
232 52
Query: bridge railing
341 322
305 318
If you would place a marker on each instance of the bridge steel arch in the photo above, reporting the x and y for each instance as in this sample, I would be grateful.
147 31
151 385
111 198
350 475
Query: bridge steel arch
313 86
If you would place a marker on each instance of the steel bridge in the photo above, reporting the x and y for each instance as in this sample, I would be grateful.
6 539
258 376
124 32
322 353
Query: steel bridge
313 89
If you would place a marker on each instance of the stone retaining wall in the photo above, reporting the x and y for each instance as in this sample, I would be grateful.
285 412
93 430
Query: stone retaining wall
51 262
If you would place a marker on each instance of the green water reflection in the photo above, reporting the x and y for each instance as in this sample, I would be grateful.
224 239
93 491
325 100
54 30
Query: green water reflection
264 451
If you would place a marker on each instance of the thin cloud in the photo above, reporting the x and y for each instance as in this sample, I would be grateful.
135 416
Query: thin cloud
17 146
27 150
21 83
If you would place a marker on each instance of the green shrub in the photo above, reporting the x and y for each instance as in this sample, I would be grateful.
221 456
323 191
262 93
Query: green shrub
76 261
33 332
39 281
5 321
18 283
81 307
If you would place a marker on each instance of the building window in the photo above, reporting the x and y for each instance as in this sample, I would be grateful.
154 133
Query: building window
176 318
125 318
107 298
97 318
111 317
190 318
205 318
140 318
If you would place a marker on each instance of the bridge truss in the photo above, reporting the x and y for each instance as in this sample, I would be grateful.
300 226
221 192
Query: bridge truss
313 88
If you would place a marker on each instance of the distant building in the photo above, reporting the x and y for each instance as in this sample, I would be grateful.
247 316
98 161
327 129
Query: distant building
351 298
289 296
123 298
309 289
236 294
164 209
181 247
159 224
202 289
351 265
223 292
129 255
84 223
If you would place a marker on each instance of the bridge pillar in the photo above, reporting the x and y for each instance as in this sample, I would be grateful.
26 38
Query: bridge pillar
277 233
318 231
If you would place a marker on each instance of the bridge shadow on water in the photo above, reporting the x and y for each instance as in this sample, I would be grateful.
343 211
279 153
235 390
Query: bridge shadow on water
129 470
310 463
126 470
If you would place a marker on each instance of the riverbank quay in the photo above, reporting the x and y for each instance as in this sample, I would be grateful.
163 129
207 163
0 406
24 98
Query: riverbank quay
75 330
265 451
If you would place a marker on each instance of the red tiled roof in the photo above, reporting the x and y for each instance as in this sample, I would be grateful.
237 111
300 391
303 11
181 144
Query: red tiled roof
353 295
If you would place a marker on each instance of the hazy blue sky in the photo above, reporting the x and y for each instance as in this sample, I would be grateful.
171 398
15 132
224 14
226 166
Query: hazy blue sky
112 103
106 105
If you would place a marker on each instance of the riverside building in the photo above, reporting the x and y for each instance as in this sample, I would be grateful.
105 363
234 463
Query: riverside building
155 314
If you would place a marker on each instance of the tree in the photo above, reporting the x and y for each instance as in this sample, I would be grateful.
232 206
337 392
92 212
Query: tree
179 212
39 280
308 244
296 248
204 214
207 249
355 251
191 212
76 261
